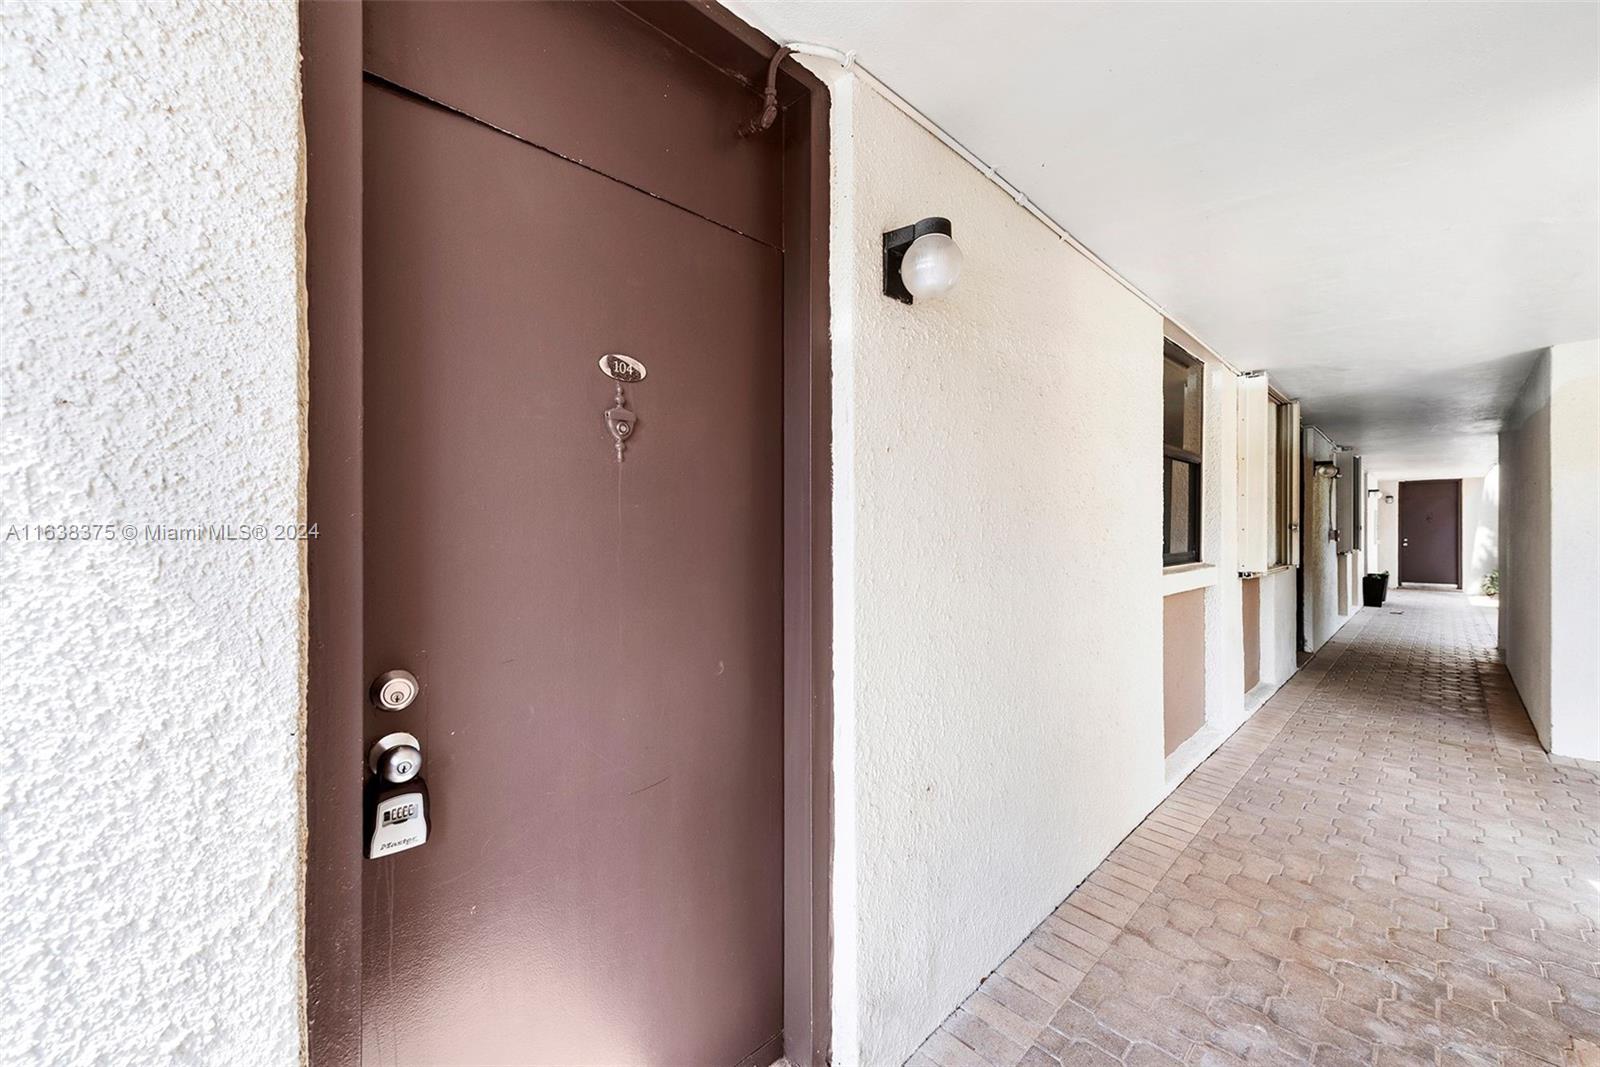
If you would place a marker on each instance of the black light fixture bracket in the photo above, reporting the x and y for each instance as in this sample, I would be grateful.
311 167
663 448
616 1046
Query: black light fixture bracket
895 243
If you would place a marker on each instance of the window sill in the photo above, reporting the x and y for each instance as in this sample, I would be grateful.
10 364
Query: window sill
1276 568
1187 576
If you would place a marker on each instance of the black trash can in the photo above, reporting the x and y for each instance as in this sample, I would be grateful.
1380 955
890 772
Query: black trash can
1375 589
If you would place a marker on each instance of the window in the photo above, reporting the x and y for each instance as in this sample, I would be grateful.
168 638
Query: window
1275 509
1280 481
1358 498
1286 503
1183 397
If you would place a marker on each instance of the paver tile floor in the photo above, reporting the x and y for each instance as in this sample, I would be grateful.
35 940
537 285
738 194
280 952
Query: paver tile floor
1381 867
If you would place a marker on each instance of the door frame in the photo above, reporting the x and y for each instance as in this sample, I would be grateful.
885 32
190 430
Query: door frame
1400 530
331 82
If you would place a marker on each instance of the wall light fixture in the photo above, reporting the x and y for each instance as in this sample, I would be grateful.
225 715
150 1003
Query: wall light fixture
920 260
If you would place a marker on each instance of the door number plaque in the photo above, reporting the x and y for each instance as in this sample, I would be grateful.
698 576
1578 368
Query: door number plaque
622 368
620 419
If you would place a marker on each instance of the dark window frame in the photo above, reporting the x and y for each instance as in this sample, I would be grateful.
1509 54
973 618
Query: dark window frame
1283 522
1193 462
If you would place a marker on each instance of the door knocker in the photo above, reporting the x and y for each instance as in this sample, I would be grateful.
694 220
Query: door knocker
620 420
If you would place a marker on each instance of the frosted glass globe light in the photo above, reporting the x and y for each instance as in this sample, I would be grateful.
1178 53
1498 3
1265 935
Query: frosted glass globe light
931 266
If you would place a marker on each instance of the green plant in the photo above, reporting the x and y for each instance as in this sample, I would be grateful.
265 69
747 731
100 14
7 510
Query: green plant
1491 583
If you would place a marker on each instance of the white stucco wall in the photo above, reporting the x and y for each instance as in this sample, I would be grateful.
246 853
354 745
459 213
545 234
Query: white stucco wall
1480 529
150 805
1575 549
1386 529
1525 614
1219 545
1550 547
1328 572
1280 606
998 601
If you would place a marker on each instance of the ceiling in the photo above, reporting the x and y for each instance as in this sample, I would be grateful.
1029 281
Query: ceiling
1390 207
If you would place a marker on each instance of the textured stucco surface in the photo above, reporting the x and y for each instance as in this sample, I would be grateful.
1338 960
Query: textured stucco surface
1575 549
1386 528
1219 545
1480 529
1328 572
1000 581
1280 606
1525 545
150 802
1550 547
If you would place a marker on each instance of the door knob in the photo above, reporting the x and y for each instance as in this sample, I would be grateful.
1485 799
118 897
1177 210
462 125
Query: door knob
394 690
396 758
397 801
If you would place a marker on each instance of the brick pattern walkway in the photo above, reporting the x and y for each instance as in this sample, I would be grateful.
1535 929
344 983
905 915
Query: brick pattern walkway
1381 867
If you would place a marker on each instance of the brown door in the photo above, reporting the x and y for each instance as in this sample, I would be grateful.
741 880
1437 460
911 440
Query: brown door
598 639
1430 532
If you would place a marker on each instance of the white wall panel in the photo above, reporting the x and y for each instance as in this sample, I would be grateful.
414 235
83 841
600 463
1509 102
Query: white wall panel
1256 435
997 599
150 812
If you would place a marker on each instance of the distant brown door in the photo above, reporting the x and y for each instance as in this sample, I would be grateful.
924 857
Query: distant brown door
598 637
1430 532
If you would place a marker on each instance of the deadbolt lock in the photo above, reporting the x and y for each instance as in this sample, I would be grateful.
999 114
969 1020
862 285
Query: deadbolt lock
394 690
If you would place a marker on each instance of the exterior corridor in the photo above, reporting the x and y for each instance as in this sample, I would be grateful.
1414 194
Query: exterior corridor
1381 867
